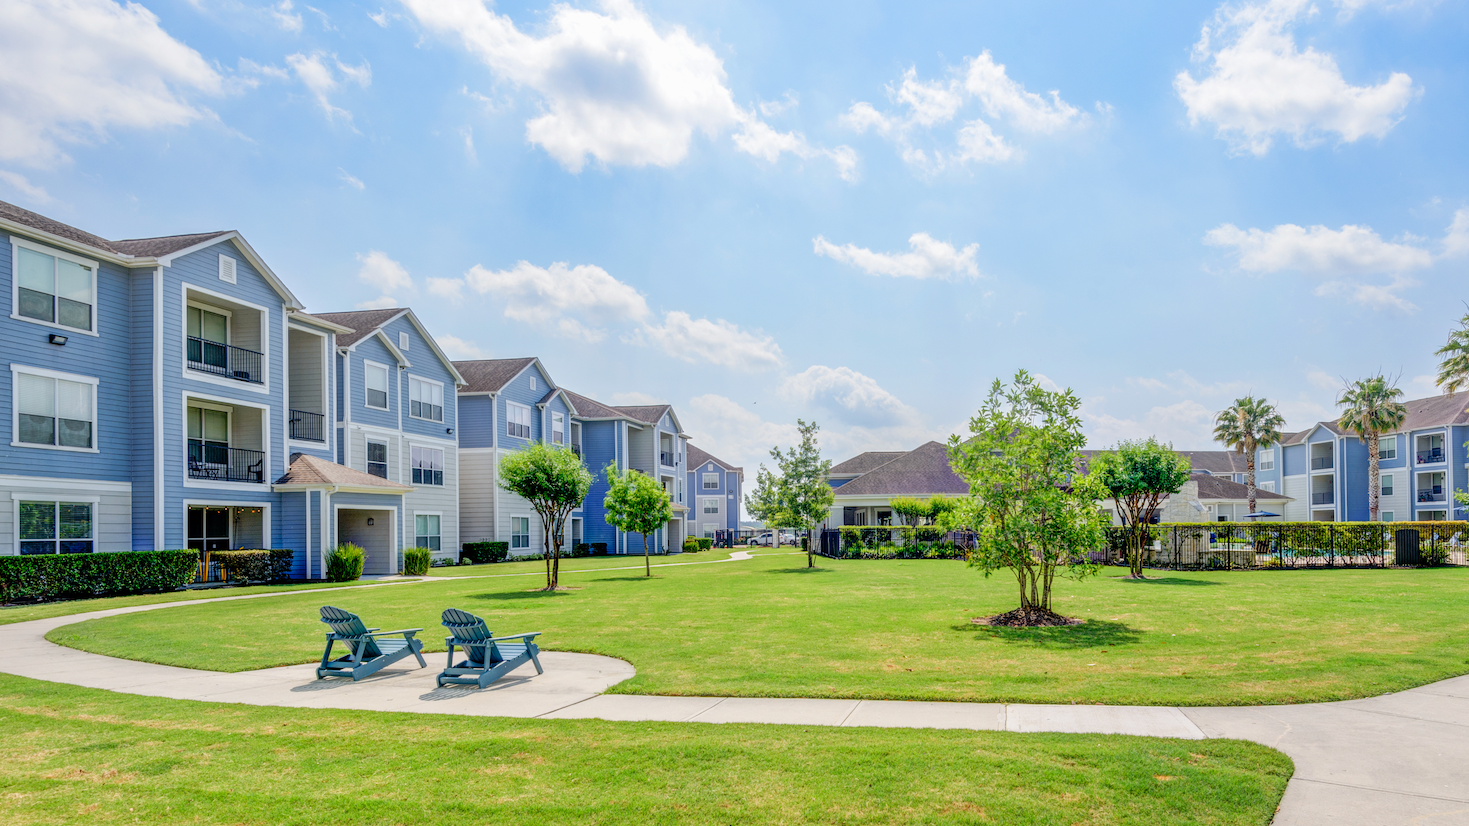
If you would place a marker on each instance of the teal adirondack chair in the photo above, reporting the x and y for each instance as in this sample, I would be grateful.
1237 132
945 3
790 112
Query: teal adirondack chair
487 658
367 651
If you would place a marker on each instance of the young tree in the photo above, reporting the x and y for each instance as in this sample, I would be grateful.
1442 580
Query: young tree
1031 508
1453 366
1137 475
636 503
1246 425
799 497
1372 409
555 483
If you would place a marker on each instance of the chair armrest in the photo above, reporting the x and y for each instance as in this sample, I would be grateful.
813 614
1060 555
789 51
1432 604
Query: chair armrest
409 631
531 635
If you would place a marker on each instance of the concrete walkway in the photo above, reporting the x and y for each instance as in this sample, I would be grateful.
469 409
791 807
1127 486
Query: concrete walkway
1396 759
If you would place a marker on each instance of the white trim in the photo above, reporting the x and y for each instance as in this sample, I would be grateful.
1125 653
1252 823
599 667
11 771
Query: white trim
229 273
387 374
66 484
17 369
185 288
530 419
390 432
250 255
442 396
530 534
412 516
17 498
16 245
189 482
265 533
392 525
328 398
31 496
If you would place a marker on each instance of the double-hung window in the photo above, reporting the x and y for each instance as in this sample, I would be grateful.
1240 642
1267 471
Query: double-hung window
519 532
711 504
517 420
1387 484
428 466
426 531
558 428
1266 460
376 378
377 459
1388 448
55 289
55 527
711 481
425 399
54 409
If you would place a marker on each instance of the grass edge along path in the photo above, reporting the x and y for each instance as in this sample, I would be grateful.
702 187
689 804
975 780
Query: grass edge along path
71 754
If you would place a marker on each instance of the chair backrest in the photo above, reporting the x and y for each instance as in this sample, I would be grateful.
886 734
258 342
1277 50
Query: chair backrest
465 627
342 623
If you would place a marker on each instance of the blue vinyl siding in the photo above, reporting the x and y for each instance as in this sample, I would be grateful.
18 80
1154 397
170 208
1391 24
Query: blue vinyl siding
1352 480
599 448
140 403
372 349
520 392
729 509
426 365
1402 458
476 427
288 524
1296 460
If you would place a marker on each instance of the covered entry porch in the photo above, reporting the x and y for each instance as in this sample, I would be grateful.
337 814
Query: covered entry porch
340 505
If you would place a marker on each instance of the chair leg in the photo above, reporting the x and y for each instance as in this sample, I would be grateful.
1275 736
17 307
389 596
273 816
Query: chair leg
536 661
417 648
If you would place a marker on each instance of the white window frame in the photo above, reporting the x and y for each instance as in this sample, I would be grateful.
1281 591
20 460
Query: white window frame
1268 487
1385 516
517 407
234 406
229 312
1264 455
411 467
387 457
436 514
1386 480
706 480
41 372
1382 445
55 499
558 428
704 505
513 534
387 384
16 245
431 382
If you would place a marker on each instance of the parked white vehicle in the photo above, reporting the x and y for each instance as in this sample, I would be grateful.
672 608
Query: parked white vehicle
767 539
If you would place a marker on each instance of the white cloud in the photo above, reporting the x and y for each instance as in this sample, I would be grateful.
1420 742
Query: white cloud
315 73
467 134
1420 387
285 18
1456 240
615 89
459 349
758 138
925 104
382 302
929 258
382 272
21 184
705 341
1187 424
381 18
351 180
572 301
1260 85
848 394
1323 380
70 72
633 398
771 108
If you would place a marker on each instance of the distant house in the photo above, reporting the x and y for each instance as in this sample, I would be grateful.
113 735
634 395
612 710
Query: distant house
842 473
870 481
715 489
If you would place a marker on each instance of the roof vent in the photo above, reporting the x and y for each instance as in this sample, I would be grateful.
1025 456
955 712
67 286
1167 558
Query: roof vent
226 269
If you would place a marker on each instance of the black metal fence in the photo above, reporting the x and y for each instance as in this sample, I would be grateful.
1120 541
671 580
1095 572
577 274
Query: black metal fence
1227 545
893 542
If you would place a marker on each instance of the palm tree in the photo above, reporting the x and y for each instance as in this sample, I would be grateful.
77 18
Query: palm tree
1244 426
1372 409
1453 369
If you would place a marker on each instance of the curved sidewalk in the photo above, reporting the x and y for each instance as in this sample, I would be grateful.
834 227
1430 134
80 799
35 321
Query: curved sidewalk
1396 759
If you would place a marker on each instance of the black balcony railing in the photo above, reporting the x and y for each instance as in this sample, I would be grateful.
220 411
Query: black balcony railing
1322 498
225 360
665 458
1428 457
1435 494
307 426
218 463
1320 462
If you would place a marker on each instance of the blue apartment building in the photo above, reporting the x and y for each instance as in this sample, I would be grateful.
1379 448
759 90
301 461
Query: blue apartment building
715 490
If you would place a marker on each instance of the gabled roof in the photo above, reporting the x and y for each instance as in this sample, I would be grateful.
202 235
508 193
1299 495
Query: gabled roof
164 246
307 471
863 462
924 471
587 408
649 413
1217 487
363 323
698 458
490 375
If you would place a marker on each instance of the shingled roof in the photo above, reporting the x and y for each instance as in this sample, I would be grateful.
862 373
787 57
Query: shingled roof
697 457
490 375
649 413
136 247
921 472
363 322
1217 487
311 470
1433 411
587 408
863 462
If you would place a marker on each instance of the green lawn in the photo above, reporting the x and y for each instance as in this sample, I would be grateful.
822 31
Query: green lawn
585 563
45 610
895 629
73 755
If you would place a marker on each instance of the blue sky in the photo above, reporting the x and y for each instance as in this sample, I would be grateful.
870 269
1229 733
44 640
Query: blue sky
860 213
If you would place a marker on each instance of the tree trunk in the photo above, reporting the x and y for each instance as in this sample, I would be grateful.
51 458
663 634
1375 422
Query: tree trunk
550 557
647 565
1250 470
810 551
1374 484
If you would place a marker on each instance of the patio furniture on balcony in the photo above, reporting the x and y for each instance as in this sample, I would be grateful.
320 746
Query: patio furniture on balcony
225 464
225 360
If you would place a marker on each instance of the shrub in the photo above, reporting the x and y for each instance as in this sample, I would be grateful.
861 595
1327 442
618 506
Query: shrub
581 549
691 545
444 562
44 577
704 544
254 566
416 561
345 563
599 549
486 551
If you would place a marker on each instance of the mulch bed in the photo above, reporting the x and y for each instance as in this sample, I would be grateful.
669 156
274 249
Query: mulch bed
1027 618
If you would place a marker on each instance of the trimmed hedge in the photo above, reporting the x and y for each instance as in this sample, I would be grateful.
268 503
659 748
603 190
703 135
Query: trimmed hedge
599 549
704 544
45 577
477 552
1299 544
416 561
691 545
254 566
345 563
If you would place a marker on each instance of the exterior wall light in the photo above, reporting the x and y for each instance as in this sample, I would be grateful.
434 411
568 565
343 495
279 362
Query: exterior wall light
57 338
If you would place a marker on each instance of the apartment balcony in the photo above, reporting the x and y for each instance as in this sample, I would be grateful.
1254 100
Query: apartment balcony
225 360
307 426
576 449
1431 456
218 463
1327 498
666 459
1321 463
1434 495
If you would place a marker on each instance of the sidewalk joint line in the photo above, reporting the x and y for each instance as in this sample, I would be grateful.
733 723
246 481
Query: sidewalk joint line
1381 790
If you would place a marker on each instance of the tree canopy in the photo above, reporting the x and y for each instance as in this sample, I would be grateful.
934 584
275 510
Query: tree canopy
555 482
1137 474
799 496
1453 365
1370 408
1245 426
636 503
